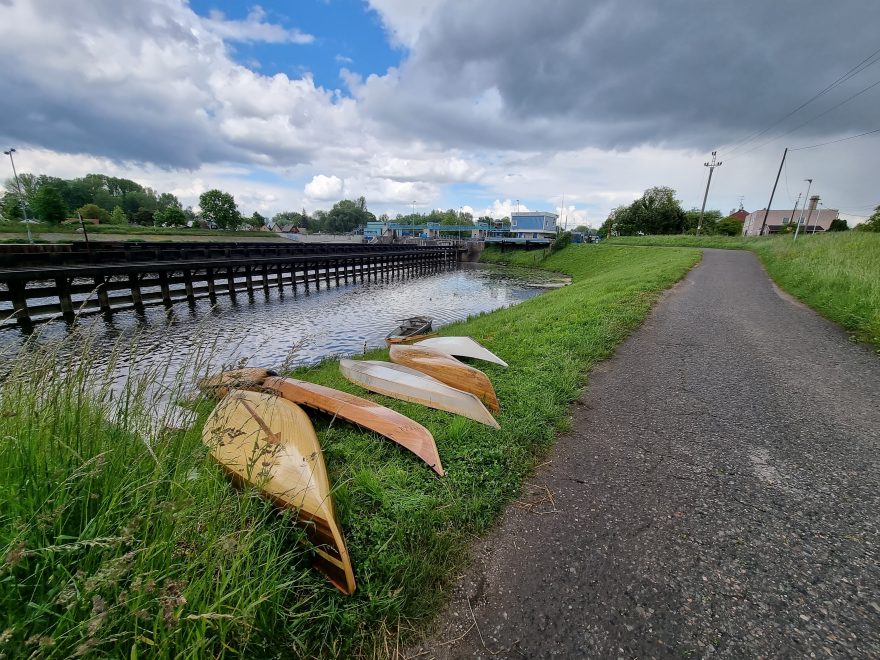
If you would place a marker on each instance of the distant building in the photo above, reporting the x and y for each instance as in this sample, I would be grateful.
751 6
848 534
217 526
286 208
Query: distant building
814 219
532 225
740 215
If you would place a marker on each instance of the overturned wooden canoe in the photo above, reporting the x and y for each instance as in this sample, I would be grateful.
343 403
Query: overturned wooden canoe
447 369
269 442
383 378
219 384
363 412
462 347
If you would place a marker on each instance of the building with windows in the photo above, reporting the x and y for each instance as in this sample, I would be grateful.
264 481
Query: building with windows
533 225
813 219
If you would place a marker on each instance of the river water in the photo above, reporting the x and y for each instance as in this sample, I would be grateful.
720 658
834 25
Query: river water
282 329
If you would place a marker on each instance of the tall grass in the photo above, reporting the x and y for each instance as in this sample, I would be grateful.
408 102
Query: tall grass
838 274
121 538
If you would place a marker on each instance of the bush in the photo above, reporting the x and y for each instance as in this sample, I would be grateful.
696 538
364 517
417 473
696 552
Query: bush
562 241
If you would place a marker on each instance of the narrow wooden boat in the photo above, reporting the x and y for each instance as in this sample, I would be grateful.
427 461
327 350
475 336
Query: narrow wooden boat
411 329
269 442
462 347
384 421
219 384
382 378
447 369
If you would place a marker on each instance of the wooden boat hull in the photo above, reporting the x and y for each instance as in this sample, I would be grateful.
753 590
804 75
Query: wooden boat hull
447 369
462 347
384 421
391 341
218 385
411 329
381 378
269 442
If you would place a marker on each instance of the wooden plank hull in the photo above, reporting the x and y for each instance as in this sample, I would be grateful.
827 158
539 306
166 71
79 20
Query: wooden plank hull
447 369
462 347
379 377
408 340
218 385
269 442
384 421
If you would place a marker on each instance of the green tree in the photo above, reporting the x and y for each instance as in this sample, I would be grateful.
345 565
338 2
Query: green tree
94 212
171 216
256 220
167 201
143 217
730 226
291 218
657 211
872 223
220 209
10 207
347 215
838 224
118 217
49 205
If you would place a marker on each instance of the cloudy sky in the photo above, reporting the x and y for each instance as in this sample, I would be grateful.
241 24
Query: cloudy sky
448 103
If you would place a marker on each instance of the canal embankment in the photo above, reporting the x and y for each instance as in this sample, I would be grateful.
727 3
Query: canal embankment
138 542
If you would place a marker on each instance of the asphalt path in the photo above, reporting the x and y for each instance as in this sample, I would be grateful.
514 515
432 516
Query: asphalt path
717 496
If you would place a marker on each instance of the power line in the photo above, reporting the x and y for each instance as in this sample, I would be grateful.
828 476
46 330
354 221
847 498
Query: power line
812 119
851 137
858 68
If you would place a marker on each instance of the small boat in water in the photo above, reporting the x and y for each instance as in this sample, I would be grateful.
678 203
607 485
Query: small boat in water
368 414
462 347
447 369
411 329
383 378
266 441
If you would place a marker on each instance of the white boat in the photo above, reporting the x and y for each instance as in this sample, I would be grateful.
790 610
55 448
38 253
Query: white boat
462 347
385 378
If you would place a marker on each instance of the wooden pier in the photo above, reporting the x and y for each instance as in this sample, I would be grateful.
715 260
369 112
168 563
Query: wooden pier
38 282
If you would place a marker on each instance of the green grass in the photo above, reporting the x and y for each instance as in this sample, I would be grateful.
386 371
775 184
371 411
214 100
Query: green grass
837 274
122 542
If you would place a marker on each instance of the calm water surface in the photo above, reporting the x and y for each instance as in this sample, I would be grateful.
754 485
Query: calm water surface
283 329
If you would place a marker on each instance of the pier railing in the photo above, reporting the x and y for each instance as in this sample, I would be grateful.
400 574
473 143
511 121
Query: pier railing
36 284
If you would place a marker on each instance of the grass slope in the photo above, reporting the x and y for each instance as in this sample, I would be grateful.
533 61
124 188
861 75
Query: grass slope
837 274
75 232
118 547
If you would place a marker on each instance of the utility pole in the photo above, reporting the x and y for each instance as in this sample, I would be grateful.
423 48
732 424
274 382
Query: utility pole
770 203
711 167
794 210
806 199
20 196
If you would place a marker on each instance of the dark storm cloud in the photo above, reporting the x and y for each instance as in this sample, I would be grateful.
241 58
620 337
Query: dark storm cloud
619 74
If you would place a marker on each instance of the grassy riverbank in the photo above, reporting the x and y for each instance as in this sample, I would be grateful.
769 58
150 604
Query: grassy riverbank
121 542
837 274
15 231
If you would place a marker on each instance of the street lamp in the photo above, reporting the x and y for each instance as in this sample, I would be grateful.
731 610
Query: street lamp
20 196
806 199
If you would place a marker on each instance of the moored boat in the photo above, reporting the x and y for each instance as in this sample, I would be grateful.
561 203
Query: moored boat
363 412
447 369
411 329
269 442
462 347
379 377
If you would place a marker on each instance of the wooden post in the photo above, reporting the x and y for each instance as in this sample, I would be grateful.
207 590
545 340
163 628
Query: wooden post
230 281
327 272
135 286
19 302
249 280
103 298
317 276
188 283
63 286
212 291
163 287
265 271
280 278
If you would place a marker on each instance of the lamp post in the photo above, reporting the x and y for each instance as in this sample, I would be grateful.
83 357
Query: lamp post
20 196
806 199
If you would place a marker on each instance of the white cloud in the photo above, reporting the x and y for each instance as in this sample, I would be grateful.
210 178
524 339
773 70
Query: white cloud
324 188
255 28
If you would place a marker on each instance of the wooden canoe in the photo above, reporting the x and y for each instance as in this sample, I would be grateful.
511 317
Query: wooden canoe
380 377
447 369
269 442
218 385
391 341
410 330
462 347
370 415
